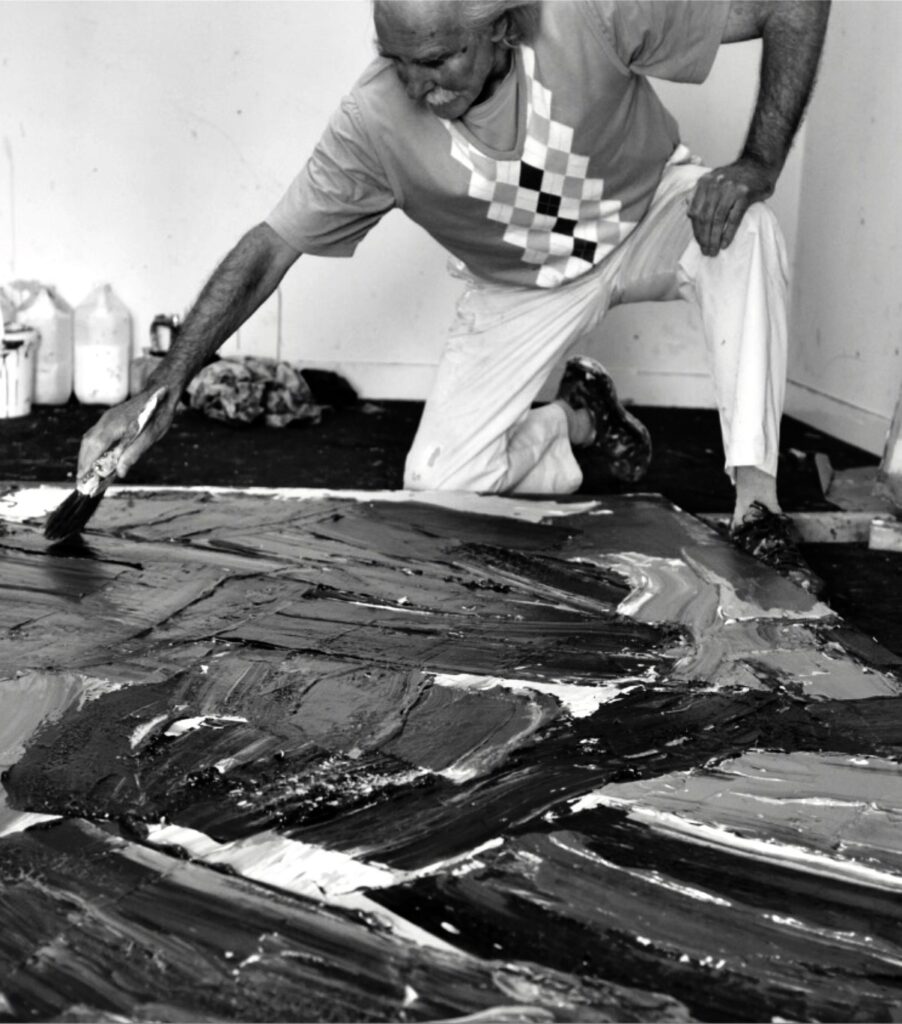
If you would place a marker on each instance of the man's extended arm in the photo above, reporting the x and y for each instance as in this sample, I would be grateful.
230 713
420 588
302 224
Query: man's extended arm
244 280
792 34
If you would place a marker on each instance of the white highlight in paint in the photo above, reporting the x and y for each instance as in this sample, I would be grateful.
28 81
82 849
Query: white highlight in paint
298 867
580 701
142 731
767 850
287 864
644 573
399 607
689 890
181 726
35 502
688 587
184 725
19 822
93 688
328 876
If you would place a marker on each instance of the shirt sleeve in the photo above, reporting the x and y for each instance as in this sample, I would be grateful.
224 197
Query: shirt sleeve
676 40
340 194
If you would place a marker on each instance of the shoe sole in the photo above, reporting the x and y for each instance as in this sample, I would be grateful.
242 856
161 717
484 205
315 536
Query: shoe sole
623 440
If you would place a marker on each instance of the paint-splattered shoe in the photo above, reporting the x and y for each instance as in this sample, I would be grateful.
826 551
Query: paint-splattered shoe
771 538
622 445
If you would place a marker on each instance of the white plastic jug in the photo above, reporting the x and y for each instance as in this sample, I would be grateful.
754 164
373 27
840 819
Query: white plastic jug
52 316
103 348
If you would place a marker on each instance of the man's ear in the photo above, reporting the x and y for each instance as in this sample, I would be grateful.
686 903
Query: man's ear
500 29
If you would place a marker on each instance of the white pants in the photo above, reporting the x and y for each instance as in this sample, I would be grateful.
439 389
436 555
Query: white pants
478 431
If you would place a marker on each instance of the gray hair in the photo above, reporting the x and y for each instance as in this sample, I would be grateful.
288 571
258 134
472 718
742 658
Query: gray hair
522 17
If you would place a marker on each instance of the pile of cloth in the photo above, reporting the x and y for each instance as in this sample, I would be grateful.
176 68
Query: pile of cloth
249 389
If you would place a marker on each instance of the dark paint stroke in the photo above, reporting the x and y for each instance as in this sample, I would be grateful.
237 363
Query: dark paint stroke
92 920
268 676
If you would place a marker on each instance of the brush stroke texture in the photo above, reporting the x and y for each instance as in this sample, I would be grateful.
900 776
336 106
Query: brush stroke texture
382 760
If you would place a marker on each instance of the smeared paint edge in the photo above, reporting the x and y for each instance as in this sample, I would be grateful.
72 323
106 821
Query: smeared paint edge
18 821
766 851
648 575
36 502
581 701
328 876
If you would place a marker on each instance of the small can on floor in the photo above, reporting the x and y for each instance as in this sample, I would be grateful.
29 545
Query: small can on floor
18 353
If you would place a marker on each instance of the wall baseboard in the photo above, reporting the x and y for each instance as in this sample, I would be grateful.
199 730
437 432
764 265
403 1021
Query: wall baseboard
412 382
403 382
849 423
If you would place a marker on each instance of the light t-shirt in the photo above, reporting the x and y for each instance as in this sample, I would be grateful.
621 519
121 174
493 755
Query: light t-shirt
591 141
494 122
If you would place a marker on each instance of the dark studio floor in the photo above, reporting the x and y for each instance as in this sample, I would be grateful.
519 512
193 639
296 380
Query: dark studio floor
361 446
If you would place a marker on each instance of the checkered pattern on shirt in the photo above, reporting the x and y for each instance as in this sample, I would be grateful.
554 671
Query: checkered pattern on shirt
553 211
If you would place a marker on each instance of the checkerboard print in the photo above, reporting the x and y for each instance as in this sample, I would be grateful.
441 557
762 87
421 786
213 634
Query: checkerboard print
553 211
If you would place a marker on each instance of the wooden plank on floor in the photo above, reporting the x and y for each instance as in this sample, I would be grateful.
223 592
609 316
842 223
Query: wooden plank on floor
889 477
885 535
840 527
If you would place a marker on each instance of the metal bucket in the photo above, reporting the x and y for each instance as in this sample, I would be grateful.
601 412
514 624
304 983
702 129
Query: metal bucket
17 361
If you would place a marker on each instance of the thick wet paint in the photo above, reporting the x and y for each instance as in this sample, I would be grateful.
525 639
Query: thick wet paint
284 758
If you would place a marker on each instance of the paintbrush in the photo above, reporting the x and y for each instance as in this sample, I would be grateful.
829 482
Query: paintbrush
72 515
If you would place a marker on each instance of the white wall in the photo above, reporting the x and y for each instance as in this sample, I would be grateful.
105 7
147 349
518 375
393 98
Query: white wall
846 367
140 139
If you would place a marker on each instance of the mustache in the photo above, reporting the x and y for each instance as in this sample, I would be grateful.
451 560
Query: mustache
438 97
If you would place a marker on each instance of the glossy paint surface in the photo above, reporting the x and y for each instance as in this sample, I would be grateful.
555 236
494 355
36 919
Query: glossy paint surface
423 758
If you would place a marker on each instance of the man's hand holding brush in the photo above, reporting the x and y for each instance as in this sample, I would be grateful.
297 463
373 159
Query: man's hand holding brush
242 282
125 426
118 423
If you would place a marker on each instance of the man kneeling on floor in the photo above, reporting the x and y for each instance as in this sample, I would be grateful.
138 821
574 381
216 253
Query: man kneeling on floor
526 138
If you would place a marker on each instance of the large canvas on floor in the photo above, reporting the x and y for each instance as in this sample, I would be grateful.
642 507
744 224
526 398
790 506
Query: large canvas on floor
418 758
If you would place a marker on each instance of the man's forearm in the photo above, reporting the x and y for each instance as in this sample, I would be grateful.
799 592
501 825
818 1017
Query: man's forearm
792 32
241 283
792 38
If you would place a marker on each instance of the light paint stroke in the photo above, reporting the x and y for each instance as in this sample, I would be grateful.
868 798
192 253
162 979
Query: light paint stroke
186 725
303 869
835 808
581 701
685 591
28 503
194 844
39 697
12 821
732 637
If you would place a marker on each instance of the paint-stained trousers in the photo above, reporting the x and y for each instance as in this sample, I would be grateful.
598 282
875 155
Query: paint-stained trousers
478 431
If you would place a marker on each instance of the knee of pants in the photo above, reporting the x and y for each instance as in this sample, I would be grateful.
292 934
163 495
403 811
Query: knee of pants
426 470
759 227
758 243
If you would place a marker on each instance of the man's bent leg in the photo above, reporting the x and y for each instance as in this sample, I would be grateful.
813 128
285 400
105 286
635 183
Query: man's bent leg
741 294
478 431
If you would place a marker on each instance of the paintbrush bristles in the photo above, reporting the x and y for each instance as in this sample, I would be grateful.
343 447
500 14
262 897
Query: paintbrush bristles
71 516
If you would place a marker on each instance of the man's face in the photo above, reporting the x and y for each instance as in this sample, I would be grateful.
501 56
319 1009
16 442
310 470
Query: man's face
440 64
